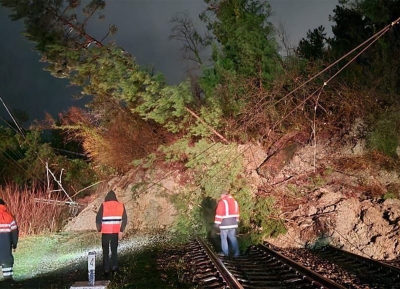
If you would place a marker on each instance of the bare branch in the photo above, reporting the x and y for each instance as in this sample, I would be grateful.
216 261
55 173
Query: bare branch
192 42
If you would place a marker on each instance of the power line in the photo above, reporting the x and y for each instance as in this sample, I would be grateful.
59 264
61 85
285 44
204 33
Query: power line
377 36
372 38
12 117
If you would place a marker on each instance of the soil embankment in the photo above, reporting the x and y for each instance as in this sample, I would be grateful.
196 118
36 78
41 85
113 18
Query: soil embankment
334 192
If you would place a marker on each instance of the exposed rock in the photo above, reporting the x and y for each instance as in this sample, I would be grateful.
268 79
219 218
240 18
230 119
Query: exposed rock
145 198
344 209
328 195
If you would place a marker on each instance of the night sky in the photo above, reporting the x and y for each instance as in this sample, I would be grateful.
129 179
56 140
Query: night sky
143 30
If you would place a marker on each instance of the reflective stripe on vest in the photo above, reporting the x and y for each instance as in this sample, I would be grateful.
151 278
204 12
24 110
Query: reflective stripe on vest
227 214
230 213
112 217
7 222
6 228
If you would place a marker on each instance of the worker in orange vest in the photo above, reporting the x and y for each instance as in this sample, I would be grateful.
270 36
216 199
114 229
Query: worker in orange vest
8 241
226 219
111 220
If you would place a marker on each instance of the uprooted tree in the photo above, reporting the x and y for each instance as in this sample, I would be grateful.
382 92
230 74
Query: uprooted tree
249 93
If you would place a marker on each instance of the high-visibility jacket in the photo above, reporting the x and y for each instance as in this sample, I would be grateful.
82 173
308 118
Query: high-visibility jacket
112 217
227 213
8 236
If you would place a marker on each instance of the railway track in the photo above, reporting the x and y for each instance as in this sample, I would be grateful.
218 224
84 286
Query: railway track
260 267
375 273
263 266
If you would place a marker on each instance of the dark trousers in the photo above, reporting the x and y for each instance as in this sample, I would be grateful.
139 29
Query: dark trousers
7 271
109 241
6 262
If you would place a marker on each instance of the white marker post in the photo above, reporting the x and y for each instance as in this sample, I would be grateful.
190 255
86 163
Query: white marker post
92 267
92 284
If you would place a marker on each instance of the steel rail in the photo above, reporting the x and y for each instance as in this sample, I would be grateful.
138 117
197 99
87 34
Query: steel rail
312 276
228 277
363 259
370 271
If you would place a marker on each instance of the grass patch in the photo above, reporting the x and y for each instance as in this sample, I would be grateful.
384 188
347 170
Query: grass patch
59 260
38 255
142 270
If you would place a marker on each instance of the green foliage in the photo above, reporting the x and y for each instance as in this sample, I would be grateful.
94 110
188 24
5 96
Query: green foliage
190 220
317 181
146 162
377 67
217 167
45 261
9 153
385 133
244 51
350 29
104 71
294 190
390 195
225 93
243 86
223 163
36 153
378 11
214 167
24 156
167 106
313 46
79 173
263 219
242 29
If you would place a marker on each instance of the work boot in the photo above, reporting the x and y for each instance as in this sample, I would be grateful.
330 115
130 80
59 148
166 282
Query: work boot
114 271
8 281
8 278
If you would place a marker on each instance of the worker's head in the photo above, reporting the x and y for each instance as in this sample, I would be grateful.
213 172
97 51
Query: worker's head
110 196
224 194
2 202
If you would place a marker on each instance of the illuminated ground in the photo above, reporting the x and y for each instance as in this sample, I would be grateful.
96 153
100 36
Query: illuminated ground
60 260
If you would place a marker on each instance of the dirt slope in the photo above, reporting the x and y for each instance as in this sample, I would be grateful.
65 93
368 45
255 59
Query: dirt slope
147 207
338 194
333 192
